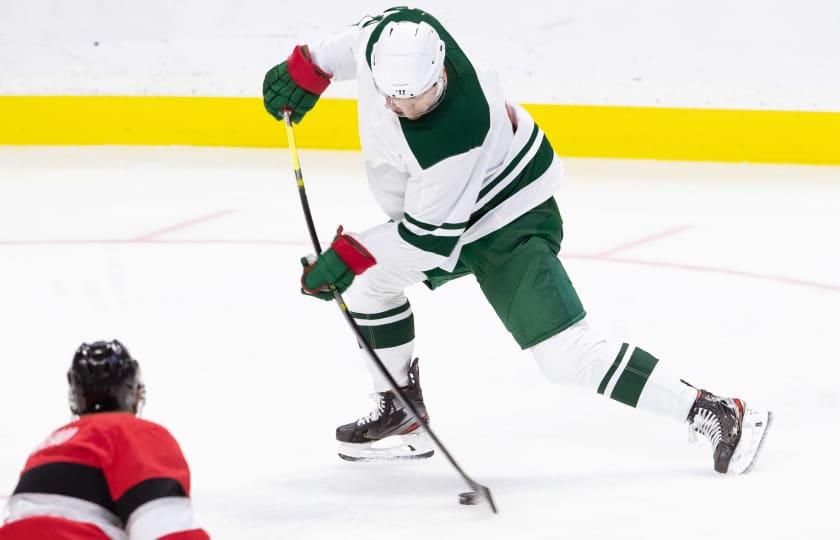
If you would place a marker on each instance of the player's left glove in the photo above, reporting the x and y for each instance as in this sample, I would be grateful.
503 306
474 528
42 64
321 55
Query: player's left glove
339 265
295 84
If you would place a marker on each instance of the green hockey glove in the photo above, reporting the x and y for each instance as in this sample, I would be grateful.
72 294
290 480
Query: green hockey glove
338 266
295 84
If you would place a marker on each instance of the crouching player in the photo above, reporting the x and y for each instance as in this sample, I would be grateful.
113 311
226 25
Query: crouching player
108 474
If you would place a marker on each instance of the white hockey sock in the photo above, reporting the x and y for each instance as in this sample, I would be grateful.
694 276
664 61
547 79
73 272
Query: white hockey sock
665 394
396 360
390 331
580 357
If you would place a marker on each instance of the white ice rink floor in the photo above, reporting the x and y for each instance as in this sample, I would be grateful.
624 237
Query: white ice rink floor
729 273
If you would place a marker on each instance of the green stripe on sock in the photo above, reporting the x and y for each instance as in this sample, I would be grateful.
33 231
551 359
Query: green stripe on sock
632 381
606 380
390 335
382 314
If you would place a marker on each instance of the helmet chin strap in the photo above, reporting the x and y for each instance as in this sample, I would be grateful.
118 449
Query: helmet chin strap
441 85
441 91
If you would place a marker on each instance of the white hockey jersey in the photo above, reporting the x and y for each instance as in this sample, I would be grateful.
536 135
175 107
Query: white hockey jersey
467 168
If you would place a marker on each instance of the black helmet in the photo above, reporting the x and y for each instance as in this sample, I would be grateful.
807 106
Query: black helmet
104 377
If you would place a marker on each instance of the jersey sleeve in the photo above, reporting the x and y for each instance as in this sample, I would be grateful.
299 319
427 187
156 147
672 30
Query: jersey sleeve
149 480
169 518
186 535
339 54
437 208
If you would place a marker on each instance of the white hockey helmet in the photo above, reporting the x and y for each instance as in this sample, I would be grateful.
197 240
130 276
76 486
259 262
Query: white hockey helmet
407 59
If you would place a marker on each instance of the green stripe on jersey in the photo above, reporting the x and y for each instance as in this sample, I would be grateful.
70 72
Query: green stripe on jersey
382 314
512 165
632 381
535 168
441 245
389 335
606 380
430 227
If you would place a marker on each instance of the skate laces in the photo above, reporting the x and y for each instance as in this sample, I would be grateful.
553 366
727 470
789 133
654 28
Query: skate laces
706 423
375 413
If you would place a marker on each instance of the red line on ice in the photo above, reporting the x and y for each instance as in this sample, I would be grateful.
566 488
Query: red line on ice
183 225
153 241
597 257
645 240
709 270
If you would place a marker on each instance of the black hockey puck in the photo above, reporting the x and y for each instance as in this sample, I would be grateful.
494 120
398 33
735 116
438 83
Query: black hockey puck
469 498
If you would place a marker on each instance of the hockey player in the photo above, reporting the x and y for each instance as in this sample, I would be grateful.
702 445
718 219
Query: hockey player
108 474
467 181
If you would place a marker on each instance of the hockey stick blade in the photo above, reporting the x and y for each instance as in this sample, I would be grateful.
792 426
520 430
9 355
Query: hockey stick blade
471 498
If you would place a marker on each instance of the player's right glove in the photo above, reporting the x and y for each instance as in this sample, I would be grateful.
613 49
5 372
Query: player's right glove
295 84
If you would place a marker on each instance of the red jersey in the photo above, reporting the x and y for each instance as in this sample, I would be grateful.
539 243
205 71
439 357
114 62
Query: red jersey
104 476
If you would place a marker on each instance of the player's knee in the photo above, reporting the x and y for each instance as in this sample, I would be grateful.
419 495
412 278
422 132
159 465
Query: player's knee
371 290
573 356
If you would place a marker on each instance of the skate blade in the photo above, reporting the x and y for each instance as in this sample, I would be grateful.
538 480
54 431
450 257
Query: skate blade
398 447
754 430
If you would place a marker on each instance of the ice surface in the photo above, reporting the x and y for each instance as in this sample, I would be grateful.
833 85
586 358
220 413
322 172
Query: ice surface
729 273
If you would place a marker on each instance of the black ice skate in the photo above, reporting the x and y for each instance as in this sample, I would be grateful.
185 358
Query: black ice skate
736 432
390 431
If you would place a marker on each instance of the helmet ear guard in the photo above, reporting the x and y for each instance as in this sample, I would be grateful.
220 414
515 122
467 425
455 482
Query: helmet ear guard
407 60
104 378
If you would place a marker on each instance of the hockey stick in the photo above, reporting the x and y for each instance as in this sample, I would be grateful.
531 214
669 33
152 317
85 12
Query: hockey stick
478 491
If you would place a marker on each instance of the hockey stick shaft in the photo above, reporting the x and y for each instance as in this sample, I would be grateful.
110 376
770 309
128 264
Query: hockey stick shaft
310 224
